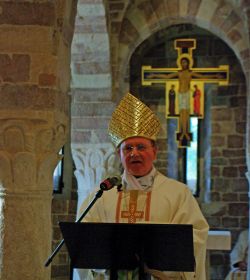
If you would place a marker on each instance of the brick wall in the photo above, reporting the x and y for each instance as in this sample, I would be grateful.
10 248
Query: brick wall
63 210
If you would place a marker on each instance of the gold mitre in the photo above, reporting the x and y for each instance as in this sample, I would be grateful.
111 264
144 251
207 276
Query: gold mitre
132 118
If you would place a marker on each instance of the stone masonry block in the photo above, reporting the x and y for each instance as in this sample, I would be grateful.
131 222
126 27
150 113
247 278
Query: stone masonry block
59 206
90 2
230 222
239 185
230 171
230 22
80 136
230 197
221 184
90 123
91 94
57 233
93 109
59 270
25 39
128 32
244 197
173 7
193 7
218 141
234 35
72 207
146 10
47 80
219 161
42 64
246 64
24 13
92 68
239 114
115 27
238 209
86 136
116 6
233 153
14 68
220 14
244 54
215 171
91 27
215 152
237 101
235 141
29 97
159 8
225 127
102 135
241 127
221 114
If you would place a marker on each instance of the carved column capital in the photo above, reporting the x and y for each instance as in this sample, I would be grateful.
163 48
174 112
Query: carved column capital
29 152
93 163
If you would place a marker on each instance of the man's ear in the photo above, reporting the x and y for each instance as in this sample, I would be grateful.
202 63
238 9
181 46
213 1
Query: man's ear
118 150
155 151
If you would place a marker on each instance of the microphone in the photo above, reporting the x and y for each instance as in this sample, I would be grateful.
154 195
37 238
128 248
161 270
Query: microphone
110 182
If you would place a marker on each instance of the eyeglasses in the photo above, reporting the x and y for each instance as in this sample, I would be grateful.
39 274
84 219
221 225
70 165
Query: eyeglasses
127 149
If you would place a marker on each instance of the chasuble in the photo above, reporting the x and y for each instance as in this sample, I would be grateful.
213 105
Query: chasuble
167 201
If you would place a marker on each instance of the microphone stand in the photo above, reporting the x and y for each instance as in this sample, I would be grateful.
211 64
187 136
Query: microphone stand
97 195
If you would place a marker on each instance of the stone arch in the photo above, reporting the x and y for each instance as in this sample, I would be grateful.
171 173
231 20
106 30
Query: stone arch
140 21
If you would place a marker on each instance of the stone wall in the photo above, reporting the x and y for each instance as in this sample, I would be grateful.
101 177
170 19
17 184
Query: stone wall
63 210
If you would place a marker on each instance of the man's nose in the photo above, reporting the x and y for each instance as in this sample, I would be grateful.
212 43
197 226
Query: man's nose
135 151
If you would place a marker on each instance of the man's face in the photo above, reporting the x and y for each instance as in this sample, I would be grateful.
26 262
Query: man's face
184 63
137 155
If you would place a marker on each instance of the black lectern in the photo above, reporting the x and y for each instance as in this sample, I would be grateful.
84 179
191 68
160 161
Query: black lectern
129 246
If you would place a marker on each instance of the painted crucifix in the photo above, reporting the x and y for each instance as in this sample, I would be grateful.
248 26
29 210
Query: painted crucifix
185 87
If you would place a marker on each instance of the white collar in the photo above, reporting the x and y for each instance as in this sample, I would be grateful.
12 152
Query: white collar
145 183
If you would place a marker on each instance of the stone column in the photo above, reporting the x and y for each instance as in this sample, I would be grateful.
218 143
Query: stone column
248 177
248 259
29 146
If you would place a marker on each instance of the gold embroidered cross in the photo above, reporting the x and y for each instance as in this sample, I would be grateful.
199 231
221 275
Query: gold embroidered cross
132 214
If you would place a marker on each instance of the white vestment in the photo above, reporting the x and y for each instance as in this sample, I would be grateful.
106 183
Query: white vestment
239 254
167 201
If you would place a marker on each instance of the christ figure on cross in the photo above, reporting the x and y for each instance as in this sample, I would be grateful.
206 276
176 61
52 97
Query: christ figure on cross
185 75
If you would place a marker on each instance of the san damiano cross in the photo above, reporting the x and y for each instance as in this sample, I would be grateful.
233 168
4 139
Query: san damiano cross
185 87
